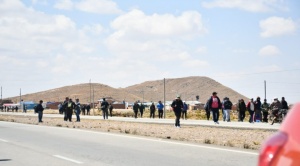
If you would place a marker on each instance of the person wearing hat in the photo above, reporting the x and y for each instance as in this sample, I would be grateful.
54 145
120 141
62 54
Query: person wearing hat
214 104
104 108
177 106
39 109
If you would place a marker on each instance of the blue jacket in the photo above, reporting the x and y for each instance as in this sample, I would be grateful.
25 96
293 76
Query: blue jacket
160 106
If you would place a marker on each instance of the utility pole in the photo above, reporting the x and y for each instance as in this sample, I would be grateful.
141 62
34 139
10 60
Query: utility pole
93 102
265 89
1 94
164 98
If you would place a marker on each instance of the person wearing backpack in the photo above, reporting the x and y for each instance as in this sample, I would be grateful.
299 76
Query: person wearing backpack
77 110
39 109
227 108
104 108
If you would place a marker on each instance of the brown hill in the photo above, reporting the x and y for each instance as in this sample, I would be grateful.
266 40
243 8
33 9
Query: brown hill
188 88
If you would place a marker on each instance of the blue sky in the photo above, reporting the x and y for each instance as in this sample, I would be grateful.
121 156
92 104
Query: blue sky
240 43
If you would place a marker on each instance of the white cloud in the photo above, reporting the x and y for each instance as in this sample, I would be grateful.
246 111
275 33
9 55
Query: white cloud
90 6
277 26
201 50
64 4
248 5
269 50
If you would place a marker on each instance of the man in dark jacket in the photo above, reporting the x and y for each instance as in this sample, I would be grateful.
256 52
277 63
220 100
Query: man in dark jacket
69 110
110 107
241 107
135 109
177 106
152 111
142 108
64 108
257 109
215 105
39 109
265 110
104 108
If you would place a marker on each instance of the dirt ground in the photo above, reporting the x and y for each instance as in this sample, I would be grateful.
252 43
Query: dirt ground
240 138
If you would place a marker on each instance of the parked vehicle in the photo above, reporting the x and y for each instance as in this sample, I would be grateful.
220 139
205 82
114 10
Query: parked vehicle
283 148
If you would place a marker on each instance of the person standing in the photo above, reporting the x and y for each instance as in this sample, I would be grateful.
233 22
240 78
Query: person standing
215 105
135 109
64 108
241 107
184 110
177 106
152 110
227 108
17 108
77 110
83 109
88 108
257 108
160 108
104 108
250 108
285 106
142 108
207 110
110 107
265 110
69 110
39 109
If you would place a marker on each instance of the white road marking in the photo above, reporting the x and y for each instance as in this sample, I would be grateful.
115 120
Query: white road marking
3 140
68 159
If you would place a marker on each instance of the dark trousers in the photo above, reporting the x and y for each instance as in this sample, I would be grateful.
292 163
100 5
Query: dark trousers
183 116
135 114
152 114
265 116
207 114
241 116
110 113
216 114
83 112
105 113
40 115
141 113
160 113
69 115
77 116
251 116
65 115
88 112
177 119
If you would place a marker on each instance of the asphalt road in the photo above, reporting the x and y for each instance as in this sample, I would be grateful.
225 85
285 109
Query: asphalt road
245 125
35 145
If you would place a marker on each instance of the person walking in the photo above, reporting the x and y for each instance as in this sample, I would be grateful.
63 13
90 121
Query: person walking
18 108
241 107
160 108
152 111
250 108
184 110
135 109
227 108
177 106
265 107
257 109
39 109
110 107
215 105
142 108
104 108
88 108
77 110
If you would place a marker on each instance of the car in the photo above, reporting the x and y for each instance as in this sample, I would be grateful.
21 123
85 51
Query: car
283 148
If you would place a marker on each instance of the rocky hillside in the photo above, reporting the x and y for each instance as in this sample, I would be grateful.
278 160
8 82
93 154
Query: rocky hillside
188 88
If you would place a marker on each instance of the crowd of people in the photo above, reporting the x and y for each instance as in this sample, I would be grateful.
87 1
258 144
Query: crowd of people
258 111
